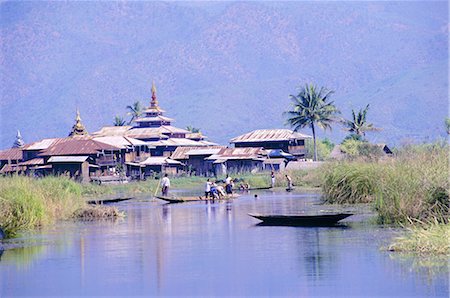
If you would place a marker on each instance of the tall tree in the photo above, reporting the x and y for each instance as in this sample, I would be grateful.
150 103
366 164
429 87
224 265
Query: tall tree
311 108
447 125
359 125
119 121
134 111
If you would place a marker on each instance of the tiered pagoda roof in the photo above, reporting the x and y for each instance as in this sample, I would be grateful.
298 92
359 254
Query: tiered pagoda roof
78 128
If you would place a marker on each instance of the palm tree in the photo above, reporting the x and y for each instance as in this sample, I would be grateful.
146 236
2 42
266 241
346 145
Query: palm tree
312 107
359 125
193 129
135 111
447 125
119 121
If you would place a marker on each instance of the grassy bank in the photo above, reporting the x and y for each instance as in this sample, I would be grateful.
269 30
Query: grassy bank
412 185
26 203
426 238
410 189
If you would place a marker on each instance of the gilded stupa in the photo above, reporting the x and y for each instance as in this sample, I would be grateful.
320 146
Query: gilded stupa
78 128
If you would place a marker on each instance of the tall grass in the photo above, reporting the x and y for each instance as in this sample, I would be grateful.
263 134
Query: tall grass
413 184
26 203
427 238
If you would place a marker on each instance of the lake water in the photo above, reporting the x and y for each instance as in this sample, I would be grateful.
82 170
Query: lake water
205 249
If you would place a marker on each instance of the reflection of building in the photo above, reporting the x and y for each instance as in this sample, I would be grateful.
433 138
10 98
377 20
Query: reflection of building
284 139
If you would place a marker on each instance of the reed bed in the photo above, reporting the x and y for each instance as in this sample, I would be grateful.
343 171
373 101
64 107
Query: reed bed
27 203
412 185
96 212
426 238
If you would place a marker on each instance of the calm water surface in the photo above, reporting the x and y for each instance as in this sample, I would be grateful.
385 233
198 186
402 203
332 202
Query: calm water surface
205 249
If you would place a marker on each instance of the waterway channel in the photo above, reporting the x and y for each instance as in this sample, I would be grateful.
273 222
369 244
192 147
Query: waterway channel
214 249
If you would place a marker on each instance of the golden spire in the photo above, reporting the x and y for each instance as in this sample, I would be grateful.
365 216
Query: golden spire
78 129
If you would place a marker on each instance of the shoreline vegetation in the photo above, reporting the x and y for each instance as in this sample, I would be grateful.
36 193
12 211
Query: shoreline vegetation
409 189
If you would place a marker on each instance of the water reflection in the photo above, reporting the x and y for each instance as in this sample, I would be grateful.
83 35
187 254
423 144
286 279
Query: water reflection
209 248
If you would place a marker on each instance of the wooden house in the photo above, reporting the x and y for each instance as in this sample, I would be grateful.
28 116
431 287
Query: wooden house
287 140
195 159
9 161
154 165
237 160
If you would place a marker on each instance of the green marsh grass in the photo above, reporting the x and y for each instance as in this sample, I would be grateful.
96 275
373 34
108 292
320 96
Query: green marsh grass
413 184
425 238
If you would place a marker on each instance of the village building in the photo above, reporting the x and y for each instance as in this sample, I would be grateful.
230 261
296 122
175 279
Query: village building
195 159
237 160
284 139
156 129
9 161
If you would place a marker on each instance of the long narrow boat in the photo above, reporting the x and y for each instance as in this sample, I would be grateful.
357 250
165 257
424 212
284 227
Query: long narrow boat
326 219
194 199
252 188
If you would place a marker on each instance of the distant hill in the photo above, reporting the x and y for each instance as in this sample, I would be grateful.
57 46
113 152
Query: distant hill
225 67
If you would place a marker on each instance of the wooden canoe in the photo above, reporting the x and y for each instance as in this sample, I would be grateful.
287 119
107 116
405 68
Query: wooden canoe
252 188
193 199
325 219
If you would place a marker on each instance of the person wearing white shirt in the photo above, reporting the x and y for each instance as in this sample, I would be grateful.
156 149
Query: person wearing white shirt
229 185
165 184
208 189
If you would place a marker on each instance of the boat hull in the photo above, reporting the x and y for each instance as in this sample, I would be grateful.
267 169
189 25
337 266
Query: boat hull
193 199
302 220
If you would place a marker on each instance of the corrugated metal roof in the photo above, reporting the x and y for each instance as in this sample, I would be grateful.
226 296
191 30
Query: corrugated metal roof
159 160
237 153
42 144
33 162
120 141
177 142
112 131
153 119
207 143
139 132
153 110
208 151
11 154
267 135
77 145
181 152
63 159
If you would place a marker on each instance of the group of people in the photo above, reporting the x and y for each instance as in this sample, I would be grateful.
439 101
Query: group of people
215 191
290 186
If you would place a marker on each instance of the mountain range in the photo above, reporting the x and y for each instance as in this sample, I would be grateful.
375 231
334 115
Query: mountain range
224 67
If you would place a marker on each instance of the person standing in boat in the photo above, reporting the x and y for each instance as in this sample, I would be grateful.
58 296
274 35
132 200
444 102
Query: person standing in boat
208 188
165 184
229 185
289 182
272 179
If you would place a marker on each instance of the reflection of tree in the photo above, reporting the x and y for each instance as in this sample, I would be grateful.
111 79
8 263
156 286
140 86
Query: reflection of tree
23 257
315 259
429 266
